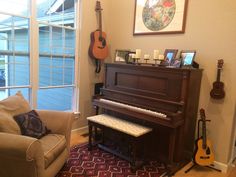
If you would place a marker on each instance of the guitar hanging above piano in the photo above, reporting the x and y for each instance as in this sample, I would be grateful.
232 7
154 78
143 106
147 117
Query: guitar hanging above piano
217 91
98 49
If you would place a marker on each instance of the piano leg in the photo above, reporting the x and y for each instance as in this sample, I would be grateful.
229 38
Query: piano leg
172 146
96 109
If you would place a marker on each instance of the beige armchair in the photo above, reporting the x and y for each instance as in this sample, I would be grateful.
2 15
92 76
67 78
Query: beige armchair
30 157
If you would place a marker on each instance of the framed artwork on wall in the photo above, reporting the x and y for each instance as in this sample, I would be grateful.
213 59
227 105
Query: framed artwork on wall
159 16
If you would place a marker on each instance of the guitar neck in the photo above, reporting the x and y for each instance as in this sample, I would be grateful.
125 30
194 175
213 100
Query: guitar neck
204 139
100 23
218 74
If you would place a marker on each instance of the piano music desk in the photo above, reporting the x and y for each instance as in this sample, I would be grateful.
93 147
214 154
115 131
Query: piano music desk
132 130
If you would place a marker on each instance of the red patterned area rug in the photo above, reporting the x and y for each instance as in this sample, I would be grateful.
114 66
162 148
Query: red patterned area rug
99 163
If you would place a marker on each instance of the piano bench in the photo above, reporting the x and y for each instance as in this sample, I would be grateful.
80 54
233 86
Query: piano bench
135 132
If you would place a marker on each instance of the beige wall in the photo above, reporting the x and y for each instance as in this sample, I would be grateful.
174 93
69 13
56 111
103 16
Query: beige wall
87 76
210 29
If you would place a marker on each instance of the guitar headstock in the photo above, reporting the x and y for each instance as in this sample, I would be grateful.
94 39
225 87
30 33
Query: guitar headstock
202 114
220 63
98 6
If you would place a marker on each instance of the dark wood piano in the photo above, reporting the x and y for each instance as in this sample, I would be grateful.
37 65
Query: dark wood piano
165 99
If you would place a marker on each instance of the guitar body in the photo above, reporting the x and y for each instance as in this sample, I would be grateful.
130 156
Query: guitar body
218 90
204 156
98 48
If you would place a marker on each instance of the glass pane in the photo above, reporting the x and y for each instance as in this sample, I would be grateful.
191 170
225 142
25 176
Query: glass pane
44 37
14 70
60 12
69 62
19 7
44 71
57 71
57 40
2 72
14 34
69 39
55 99
22 60
17 75
21 34
57 76
69 71
4 93
69 76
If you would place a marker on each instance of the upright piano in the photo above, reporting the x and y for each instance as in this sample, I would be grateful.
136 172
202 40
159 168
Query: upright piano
165 99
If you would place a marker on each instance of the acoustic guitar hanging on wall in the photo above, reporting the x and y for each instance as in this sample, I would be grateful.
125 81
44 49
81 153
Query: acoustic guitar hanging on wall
98 49
217 91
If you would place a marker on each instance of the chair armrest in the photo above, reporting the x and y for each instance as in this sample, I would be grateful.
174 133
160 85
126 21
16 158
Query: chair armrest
58 122
19 146
20 155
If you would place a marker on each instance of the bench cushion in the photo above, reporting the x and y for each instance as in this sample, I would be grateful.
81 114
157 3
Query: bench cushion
124 126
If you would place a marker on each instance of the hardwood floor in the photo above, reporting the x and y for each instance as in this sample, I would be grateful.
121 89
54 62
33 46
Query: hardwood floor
78 138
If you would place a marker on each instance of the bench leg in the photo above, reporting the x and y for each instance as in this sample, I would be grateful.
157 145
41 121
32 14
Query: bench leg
133 156
90 136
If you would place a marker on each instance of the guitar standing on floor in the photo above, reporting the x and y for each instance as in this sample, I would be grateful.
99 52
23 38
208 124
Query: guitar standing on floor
204 155
98 49
218 87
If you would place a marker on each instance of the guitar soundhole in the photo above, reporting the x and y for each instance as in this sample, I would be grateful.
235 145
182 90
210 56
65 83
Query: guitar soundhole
102 40
104 43
208 151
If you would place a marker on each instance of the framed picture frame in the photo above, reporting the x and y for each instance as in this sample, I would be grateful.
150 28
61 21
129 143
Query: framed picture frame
121 55
187 57
159 17
170 54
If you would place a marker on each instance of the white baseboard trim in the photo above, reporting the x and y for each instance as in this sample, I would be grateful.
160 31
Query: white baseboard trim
231 162
81 130
221 166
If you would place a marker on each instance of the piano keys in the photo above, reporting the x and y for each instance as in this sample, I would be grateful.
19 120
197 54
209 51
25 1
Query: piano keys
136 109
164 98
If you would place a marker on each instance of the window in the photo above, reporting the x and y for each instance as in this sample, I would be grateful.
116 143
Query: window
56 67
56 54
14 52
55 76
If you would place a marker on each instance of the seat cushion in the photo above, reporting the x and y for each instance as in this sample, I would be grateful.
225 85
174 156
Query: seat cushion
53 145
9 107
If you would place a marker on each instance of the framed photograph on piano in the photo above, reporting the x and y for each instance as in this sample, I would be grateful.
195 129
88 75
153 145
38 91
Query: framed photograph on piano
187 57
170 54
121 55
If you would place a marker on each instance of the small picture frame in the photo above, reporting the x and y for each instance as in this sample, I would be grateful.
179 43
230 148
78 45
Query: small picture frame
121 55
176 63
187 57
170 54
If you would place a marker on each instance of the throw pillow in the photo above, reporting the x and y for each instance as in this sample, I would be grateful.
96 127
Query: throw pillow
31 125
